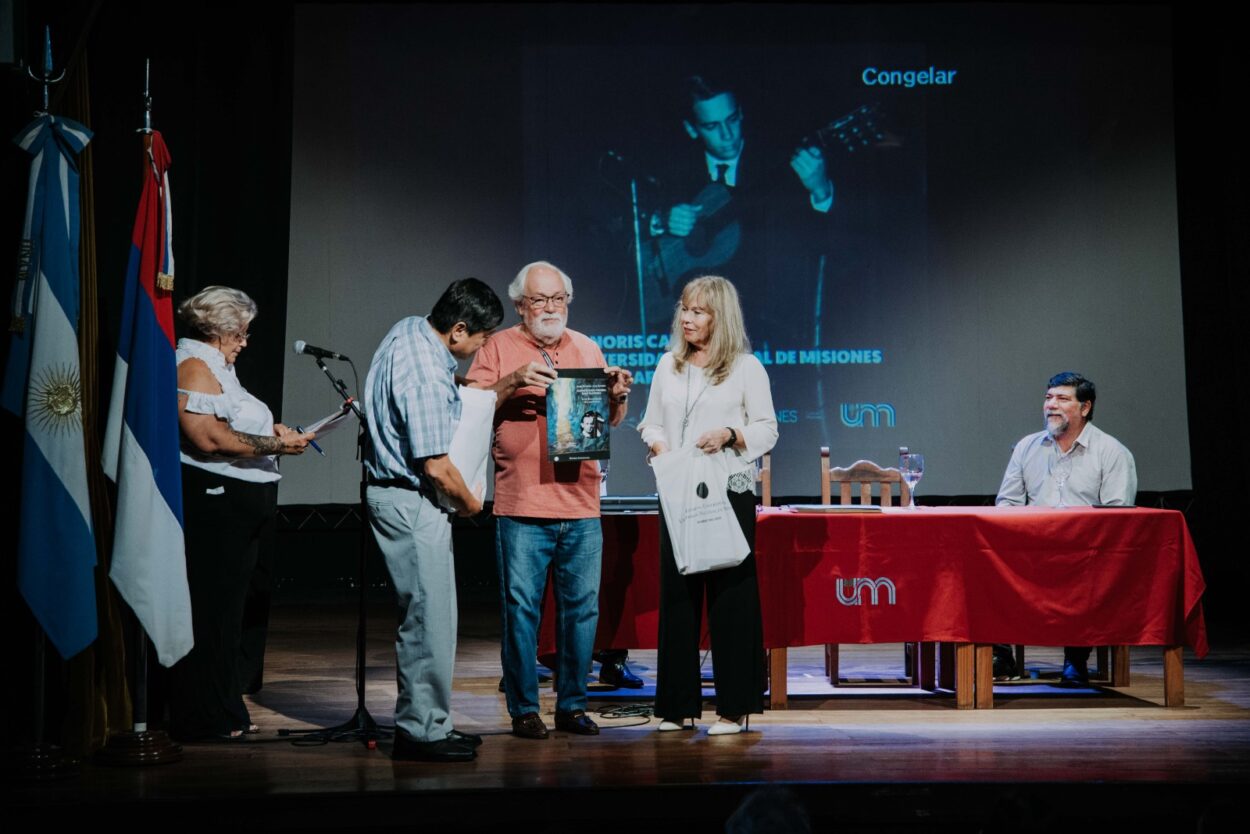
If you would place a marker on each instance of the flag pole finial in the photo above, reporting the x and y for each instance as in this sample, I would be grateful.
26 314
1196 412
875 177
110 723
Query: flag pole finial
46 79
147 96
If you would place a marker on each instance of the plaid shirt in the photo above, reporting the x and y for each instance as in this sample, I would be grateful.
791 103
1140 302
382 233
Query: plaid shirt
411 403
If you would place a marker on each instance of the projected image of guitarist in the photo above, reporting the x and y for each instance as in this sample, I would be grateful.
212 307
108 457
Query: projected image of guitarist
731 209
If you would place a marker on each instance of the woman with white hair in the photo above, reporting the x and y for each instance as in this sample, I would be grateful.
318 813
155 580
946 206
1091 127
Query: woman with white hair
709 390
230 445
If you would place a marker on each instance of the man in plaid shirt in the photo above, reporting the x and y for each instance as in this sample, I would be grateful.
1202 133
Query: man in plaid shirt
412 407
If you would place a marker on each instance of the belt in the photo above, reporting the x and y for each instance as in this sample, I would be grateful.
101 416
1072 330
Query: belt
398 483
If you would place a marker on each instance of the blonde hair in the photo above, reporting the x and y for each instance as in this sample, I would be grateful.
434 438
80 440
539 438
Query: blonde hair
729 336
218 311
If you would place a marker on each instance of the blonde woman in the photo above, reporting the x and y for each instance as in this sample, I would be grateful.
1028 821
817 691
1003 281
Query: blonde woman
710 391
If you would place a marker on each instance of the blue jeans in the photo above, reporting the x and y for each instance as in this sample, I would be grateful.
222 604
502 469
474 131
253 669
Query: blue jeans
524 549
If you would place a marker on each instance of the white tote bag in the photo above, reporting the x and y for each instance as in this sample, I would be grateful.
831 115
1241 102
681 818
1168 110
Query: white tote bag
701 523
470 443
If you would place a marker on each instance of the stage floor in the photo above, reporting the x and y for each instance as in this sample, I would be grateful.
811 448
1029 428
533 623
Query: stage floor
865 757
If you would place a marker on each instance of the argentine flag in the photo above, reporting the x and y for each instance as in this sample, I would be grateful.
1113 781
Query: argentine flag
56 546
141 443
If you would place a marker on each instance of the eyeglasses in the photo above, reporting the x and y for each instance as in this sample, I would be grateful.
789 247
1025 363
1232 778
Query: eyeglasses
538 302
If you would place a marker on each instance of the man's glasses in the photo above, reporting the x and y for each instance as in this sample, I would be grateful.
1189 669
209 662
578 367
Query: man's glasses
538 302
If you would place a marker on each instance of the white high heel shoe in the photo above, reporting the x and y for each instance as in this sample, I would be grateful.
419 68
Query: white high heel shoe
725 727
667 726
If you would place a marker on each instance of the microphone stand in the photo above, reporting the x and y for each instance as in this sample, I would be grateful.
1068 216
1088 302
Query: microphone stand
361 726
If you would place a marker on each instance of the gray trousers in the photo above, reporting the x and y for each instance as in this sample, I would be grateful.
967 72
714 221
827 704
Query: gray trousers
415 539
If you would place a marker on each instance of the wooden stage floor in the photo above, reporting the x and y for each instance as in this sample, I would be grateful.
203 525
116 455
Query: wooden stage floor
859 759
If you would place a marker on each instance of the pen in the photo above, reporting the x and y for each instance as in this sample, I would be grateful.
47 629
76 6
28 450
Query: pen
312 443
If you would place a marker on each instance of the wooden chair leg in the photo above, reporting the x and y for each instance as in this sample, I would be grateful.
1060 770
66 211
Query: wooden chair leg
778 684
927 677
984 676
946 665
1119 666
831 663
965 675
1173 676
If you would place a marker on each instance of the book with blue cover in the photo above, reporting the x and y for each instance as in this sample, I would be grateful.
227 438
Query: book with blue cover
577 416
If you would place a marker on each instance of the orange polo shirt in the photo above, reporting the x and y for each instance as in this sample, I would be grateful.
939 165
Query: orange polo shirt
527 484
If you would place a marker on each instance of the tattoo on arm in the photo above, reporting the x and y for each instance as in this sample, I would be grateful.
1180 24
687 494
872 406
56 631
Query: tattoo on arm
261 445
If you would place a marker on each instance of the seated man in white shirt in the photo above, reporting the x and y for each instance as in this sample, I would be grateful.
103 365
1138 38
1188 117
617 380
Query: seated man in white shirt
1070 463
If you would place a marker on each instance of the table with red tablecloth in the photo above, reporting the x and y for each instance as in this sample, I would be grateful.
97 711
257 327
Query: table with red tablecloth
970 576
975 576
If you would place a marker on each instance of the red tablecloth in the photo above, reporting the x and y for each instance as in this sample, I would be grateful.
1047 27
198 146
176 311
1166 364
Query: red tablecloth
1031 575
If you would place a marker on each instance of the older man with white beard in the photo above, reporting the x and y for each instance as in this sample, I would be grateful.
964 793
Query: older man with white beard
1069 463
547 514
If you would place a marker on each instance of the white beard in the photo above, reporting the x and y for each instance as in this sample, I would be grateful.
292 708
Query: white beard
1056 429
549 328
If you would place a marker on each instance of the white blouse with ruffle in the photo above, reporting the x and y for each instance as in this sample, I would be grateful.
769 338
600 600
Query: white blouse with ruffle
243 412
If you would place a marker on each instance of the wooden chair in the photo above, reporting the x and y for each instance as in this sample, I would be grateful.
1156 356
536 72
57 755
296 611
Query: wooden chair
860 477
774 664
865 473
764 476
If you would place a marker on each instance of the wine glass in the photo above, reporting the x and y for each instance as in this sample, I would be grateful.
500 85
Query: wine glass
1061 471
912 467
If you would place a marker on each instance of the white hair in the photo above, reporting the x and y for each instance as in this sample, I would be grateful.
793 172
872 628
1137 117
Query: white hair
218 311
516 290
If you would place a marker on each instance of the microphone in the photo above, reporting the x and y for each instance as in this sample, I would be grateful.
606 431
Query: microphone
303 347
630 167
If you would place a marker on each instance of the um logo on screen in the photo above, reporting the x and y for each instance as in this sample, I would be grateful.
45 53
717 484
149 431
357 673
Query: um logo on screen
850 591
858 415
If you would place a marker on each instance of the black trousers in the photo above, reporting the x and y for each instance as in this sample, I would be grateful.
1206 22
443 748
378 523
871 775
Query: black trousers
223 519
733 609
256 613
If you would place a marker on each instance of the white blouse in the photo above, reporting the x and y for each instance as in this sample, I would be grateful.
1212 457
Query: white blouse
243 412
743 402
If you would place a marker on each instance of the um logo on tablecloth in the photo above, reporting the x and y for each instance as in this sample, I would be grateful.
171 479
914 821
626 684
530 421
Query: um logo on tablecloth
850 590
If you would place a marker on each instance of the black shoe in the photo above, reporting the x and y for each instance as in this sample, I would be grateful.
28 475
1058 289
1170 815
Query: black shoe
576 722
1075 675
443 750
1005 667
470 740
529 726
618 675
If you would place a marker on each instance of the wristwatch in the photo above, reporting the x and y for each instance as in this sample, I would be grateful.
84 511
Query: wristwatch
733 439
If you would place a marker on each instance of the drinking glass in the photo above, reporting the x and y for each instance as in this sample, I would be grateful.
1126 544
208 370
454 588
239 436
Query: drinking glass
912 467
1061 471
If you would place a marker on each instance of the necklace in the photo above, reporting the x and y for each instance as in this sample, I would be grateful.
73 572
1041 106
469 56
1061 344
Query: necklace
685 420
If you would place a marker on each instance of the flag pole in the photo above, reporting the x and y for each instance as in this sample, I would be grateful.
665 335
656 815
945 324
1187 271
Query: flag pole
141 746
41 760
